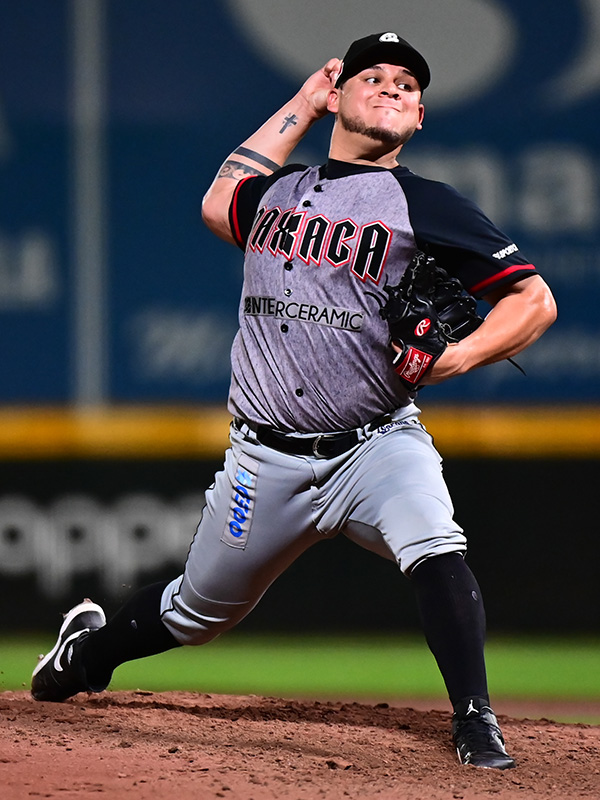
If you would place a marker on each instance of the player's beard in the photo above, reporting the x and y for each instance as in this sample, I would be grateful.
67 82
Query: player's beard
383 135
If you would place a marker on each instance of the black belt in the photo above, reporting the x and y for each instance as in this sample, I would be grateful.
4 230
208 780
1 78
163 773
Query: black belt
323 445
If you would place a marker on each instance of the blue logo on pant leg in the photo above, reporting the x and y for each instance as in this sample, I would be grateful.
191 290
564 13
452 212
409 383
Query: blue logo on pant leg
241 509
242 502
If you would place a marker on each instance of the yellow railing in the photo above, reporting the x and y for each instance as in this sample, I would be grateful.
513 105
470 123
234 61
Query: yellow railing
200 431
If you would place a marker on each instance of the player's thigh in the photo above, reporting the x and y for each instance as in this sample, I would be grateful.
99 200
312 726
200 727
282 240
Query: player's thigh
402 494
256 522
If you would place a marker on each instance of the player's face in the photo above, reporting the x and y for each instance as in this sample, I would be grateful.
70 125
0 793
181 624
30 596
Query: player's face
382 102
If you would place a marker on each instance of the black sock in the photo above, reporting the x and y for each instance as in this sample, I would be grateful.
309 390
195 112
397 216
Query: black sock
453 618
136 631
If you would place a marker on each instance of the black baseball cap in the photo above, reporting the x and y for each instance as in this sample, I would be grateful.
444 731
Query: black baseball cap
383 48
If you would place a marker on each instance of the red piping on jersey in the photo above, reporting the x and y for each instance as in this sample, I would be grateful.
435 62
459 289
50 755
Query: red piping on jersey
499 275
236 232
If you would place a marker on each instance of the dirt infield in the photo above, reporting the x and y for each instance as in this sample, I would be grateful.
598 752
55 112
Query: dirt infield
187 745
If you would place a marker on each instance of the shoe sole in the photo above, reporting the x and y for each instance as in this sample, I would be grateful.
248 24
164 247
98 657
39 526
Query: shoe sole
503 762
83 608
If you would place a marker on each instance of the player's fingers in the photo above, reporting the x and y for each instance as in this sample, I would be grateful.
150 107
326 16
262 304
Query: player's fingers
332 69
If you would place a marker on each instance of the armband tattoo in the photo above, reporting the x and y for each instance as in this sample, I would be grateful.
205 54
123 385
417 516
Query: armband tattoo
260 159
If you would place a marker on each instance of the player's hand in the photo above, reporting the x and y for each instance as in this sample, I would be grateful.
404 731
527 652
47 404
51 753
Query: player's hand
315 89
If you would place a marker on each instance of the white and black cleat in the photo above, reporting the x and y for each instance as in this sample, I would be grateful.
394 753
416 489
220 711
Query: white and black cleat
59 674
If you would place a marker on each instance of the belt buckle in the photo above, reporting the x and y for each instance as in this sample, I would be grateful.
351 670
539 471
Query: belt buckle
315 446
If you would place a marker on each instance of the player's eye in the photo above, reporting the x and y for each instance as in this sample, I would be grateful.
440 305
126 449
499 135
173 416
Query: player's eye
372 79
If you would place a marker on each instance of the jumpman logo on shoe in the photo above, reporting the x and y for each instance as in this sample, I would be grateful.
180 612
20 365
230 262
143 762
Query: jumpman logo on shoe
472 708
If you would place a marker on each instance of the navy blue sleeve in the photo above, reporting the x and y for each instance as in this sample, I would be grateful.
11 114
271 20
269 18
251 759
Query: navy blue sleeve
246 201
457 233
243 207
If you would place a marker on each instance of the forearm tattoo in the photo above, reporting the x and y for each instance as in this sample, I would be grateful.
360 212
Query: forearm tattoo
291 119
237 170
260 159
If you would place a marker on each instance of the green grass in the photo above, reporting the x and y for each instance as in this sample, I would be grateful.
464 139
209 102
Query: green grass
337 666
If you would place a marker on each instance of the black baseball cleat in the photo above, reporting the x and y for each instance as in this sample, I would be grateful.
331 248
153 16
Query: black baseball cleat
60 674
477 735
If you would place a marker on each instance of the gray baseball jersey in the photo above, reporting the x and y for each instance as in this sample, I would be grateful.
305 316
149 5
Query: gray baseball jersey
311 357
312 352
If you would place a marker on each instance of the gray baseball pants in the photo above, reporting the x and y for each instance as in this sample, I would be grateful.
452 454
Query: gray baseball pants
266 508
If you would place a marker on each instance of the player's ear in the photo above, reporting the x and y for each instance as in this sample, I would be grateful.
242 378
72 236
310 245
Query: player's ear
421 115
333 101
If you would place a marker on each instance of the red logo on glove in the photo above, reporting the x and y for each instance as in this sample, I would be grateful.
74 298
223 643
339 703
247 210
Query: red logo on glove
423 327
414 365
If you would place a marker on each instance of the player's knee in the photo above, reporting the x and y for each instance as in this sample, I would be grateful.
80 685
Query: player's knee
438 564
194 630
195 636
195 620
412 556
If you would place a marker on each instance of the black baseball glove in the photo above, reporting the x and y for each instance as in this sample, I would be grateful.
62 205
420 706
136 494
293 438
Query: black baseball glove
426 311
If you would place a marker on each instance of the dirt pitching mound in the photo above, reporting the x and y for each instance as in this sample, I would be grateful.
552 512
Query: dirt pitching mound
188 745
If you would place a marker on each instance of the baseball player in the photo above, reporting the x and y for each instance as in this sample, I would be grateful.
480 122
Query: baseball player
326 437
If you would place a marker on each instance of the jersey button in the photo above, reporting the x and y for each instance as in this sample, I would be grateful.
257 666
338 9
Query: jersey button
288 265
284 328
299 392
307 203
318 188
287 292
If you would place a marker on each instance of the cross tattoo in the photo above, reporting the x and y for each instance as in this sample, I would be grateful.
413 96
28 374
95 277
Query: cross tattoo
291 119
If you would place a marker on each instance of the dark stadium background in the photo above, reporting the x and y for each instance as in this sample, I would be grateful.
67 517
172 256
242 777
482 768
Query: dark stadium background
117 307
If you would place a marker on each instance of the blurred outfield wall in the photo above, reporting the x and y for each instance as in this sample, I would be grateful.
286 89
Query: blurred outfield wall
117 307
116 114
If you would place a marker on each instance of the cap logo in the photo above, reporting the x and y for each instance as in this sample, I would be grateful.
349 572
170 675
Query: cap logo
389 37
